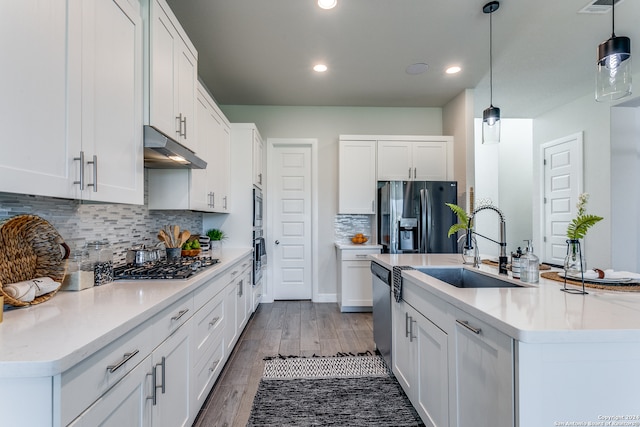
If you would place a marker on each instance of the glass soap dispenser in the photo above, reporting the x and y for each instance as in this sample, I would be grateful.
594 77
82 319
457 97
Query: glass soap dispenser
529 265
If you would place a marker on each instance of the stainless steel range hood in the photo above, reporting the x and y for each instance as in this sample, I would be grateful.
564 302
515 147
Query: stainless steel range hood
162 152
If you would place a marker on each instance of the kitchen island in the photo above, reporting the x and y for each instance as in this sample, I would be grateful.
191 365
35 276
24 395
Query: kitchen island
60 361
514 356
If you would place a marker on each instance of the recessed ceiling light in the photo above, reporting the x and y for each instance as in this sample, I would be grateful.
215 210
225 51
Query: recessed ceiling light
327 4
320 68
453 70
417 68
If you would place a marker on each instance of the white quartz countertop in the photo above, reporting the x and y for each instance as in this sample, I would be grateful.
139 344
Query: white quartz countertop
49 338
349 245
539 313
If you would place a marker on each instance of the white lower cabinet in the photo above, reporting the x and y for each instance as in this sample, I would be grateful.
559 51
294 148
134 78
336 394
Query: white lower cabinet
420 363
355 292
456 370
126 404
159 373
172 374
484 374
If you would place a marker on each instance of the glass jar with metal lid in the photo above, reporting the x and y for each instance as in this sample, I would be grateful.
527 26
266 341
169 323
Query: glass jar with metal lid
101 256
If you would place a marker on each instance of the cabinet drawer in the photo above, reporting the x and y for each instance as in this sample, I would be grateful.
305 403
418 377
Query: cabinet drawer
87 381
358 254
204 293
208 369
427 304
173 317
209 320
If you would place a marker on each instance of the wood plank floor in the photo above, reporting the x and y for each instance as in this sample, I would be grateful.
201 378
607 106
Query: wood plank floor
299 328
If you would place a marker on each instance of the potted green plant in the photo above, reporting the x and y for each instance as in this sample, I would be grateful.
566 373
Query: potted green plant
577 229
462 225
217 236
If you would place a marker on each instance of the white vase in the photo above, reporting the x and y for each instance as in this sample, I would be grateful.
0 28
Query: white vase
216 248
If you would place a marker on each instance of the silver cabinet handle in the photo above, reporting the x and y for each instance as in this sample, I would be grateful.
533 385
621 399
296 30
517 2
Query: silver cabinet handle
224 205
185 127
260 178
179 119
411 322
154 388
180 314
361 255
163 364
240 288
406 325
213 199
409 173
373 206
95 173
415 173
125 358
154 381
234 272
81 178
466 324
214 321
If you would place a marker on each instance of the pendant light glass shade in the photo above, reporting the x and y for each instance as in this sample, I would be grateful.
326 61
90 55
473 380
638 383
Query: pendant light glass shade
491 125
491 115
613 68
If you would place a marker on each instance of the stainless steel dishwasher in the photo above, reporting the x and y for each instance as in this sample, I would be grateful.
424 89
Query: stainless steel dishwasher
382 311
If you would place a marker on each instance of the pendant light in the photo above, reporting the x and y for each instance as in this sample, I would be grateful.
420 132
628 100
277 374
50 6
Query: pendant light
613 73
491 115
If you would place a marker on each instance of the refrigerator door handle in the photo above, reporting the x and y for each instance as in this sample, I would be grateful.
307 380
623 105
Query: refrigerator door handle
429 207
422 238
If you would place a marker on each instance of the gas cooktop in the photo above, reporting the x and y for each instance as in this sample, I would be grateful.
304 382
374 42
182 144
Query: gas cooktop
180 269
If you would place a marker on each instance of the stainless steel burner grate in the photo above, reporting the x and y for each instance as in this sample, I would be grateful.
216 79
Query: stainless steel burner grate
183 269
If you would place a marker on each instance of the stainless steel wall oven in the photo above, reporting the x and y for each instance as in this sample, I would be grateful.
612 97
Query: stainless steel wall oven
259 249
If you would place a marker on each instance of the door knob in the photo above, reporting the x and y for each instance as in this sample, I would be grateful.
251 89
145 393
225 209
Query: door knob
277 242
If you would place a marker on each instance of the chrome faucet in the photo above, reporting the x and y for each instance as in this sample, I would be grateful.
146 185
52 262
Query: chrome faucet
502 259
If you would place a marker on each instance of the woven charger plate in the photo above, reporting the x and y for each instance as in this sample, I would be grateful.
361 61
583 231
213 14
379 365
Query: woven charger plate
553 275
30 247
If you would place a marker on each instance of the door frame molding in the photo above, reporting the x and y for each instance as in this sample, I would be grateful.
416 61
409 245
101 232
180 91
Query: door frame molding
300 142
579 138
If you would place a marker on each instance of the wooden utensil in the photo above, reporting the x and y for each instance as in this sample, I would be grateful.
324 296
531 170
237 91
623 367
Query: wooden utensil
176 232
184 236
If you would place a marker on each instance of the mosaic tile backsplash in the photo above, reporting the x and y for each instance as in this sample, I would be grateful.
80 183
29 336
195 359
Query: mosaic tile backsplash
346 226
77 222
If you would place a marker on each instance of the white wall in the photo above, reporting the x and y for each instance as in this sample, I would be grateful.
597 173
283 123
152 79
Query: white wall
625 191
503 175
593 119
325 124
457 121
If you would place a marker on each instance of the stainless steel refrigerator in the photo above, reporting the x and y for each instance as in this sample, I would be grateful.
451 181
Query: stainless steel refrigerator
413 217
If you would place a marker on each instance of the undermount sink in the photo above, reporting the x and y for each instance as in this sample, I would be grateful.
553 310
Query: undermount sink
465 278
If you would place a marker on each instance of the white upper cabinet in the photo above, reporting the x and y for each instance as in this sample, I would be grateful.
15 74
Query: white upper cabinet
357 177
111 107
72 110
37 154
205 190
173 76
428 158
258 160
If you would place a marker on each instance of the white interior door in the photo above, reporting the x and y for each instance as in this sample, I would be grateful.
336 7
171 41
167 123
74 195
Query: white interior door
292 230
562 185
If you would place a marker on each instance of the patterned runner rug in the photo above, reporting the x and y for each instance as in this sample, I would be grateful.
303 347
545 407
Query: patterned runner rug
330 391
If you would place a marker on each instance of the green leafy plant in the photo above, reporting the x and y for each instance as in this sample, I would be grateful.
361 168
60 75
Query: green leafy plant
463 219
579 226
216 234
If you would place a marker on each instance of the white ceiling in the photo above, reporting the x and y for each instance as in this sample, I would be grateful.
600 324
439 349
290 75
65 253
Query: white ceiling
260 52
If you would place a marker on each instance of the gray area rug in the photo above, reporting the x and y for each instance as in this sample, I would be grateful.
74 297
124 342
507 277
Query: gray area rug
330 391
